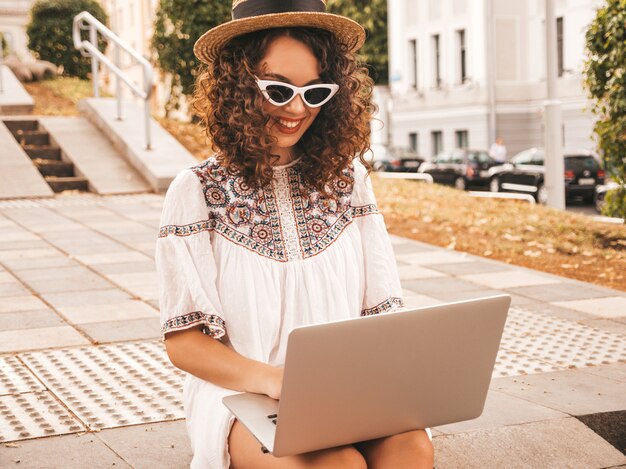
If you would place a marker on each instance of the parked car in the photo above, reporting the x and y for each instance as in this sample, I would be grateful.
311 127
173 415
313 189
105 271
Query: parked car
394 159
525 174
600 194
460 168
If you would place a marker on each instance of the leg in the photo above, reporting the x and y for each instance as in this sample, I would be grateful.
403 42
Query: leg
404 450
245 452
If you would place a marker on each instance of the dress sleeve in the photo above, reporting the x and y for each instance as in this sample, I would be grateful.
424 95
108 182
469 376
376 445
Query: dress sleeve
383 291
185 265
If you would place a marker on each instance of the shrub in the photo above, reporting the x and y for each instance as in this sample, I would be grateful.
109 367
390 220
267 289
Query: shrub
50 33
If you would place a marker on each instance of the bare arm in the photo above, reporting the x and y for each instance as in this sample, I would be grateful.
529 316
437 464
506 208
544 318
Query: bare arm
200 355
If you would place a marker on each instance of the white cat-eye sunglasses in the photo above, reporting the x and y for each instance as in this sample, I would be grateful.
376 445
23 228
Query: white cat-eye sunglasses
279 93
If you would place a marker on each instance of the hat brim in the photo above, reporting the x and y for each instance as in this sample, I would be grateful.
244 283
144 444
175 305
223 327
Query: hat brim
347 31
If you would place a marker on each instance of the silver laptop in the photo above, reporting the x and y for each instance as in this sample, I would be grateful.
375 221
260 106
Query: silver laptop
375 376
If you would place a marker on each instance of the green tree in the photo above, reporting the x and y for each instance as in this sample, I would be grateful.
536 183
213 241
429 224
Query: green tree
372 15
605 80
5 46
50 33
177 27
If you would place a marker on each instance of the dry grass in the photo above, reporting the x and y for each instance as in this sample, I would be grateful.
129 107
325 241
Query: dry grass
537 237
534 236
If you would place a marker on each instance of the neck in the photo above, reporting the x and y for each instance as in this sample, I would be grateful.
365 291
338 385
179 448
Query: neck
287 155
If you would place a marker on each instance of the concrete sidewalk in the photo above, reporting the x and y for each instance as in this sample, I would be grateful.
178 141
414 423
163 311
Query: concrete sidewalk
85 382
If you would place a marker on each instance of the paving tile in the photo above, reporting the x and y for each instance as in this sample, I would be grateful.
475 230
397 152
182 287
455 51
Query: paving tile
409 248
148 291
551 310
63 452
571 391
30 320
12 304
473 267
452 295
608 307
39 262
28 253
556 443
63 279
112 258
503 410
128 280
410 272
6 277
561 292
13 288
132 309
85 298
9 236
24 245
606 325
116 331
40 338
614 371
126 267
16 378
163 444
435 257
515 278
419 301
438 285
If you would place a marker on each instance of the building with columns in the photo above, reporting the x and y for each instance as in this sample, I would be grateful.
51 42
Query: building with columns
13 20
463 72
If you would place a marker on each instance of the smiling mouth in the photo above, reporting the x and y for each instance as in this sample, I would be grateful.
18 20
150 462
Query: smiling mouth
288 126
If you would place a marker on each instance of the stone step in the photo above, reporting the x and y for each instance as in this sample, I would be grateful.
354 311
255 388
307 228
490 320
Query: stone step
19 126
33 137
43 153
60 184
54 167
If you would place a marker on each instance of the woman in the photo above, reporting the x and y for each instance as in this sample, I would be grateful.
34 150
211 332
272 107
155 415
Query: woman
278 229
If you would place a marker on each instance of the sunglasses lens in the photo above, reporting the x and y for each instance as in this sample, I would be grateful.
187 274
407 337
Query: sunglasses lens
278 93
315 96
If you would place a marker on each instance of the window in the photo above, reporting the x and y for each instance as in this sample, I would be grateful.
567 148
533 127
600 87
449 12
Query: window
437 142
436 47
559 45
462 138
461 58
413 141
413 61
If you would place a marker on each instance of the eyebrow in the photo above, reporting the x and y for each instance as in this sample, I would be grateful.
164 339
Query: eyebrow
285 79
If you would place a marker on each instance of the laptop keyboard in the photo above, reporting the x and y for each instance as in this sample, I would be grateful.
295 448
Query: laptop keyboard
273 418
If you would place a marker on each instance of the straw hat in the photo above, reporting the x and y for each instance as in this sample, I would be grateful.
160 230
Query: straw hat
254 15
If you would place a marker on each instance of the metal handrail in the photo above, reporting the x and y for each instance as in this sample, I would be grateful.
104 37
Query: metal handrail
84 21
2 36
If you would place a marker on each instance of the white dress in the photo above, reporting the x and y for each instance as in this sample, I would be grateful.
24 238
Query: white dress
252 264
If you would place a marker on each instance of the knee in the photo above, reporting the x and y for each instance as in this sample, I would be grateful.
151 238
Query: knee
340 458
415 444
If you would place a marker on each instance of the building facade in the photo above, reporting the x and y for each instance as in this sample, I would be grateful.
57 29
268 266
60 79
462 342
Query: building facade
14 15
465 71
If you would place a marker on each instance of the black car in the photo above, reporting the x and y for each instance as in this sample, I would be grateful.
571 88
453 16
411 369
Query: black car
394 159
525 174
460 168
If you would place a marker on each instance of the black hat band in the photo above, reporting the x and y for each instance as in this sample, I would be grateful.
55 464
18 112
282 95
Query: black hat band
250 8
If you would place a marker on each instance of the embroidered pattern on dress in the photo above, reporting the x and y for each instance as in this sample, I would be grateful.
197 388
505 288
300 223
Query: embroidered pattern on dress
215 326
282 221
386 305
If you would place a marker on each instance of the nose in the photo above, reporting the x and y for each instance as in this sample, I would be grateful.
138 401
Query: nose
296 105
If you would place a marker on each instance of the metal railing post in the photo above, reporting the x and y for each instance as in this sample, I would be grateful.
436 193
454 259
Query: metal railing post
93 38
89 48
118 84
1 64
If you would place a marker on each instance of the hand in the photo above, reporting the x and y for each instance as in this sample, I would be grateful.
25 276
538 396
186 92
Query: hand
273 381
